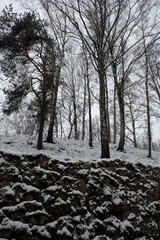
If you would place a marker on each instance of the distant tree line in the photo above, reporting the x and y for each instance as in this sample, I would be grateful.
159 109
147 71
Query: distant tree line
85 52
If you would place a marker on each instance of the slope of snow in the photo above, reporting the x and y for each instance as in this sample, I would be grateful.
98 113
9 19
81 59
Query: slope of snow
74 150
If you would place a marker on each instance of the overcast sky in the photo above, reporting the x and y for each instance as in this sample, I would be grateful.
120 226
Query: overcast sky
4 3
17 6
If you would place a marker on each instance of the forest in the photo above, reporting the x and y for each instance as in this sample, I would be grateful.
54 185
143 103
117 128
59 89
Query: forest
80 120
82 69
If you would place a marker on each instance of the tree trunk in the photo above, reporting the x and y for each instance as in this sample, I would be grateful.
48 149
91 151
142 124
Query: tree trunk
53 109
134 133
147 99
120 94
40 134
70 122
148 113
56 123
133 125
51 126
114 70
107 111
41 127
52 118
105 152
84 111
70 132
89 98
89 106
114 116
43 106
75 114
90 115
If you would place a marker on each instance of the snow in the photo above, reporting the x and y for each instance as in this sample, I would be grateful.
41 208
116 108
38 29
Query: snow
39 169
53 188
103 237
26 188
7 191
64 153
42 231
115 222
37 212
85 235
77 218
117 201
131 216
100 209
6 239
83 172
64 232
68 178
52 224
125 224
75 192
107 191
22 205
2 160
59 202
16 225
73 151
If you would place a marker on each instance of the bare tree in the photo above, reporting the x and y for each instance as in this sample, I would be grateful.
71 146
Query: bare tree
135 112
87 91
58 24
123 49
154 72
147 100
109 31
89 20
58 29
72 93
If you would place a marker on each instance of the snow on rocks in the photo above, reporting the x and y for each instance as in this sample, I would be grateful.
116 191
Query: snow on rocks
43 197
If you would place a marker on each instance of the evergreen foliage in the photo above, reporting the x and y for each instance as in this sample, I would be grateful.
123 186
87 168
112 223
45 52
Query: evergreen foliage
30 60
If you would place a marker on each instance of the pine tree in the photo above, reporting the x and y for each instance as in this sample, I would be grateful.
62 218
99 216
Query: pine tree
26 44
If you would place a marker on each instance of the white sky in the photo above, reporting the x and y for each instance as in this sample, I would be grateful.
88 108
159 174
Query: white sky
17 5
4 3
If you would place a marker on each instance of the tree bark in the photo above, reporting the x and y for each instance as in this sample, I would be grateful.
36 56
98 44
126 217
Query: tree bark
43 106
120 94
148 111
105 152
51 125
107 111
75 116
53 108
52 117
84 111
147 96
90 115
134 133
114 116
41 128
89 103
133 124
148 123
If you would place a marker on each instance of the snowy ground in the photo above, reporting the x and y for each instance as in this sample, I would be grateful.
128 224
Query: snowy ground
74 150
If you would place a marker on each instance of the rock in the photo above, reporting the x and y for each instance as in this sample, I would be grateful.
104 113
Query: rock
42 198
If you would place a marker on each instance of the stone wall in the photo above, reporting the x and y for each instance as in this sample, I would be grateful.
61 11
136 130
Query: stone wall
42 198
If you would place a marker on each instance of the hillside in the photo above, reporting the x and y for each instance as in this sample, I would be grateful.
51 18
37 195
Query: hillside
67 192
